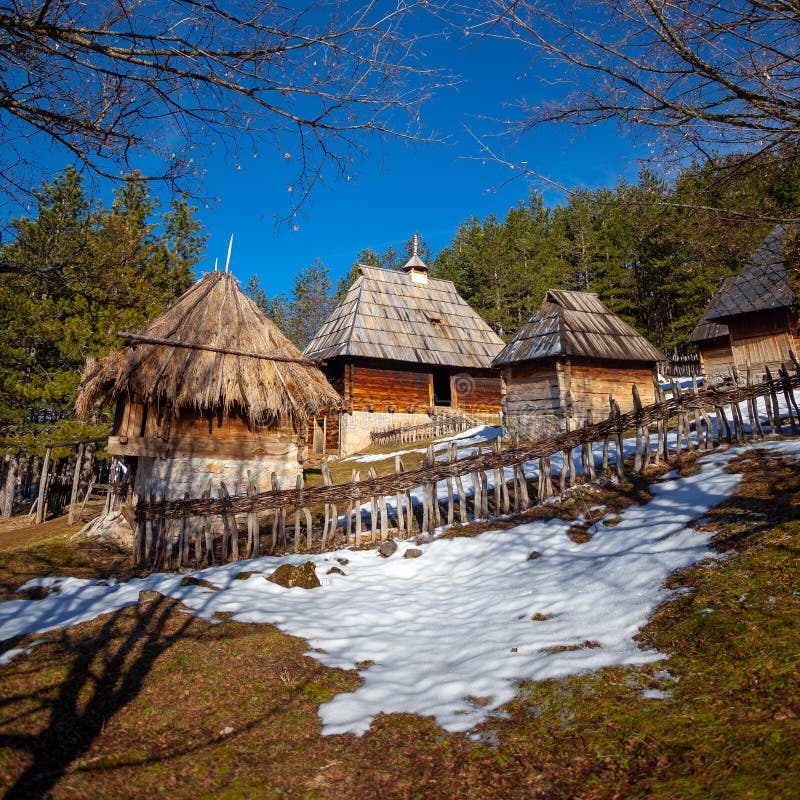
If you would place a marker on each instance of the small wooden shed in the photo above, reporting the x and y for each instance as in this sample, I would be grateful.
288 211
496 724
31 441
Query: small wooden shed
400 346
757 305
713 341
209 389
567 359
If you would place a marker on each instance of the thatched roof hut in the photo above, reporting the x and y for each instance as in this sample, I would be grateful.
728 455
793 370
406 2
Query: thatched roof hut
567 359
757 305
399 345
210 387
213 349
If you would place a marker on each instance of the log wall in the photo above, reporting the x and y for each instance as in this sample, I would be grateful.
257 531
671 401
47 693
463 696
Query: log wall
540 395
765 339
380 389
475 393
716 356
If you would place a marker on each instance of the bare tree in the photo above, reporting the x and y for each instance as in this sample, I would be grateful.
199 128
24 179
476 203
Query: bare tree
699 77
157 85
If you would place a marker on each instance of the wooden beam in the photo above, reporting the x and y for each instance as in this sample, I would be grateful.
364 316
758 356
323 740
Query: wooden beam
201 448
228 351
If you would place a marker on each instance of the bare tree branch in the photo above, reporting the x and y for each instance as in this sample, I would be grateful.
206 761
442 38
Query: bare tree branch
699 77
119 82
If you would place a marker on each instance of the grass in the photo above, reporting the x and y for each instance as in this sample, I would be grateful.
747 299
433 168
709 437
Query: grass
342 470
151 702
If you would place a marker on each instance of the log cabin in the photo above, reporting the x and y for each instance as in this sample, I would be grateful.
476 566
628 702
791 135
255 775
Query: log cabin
713 341
758 306
566 360
399 347
209 389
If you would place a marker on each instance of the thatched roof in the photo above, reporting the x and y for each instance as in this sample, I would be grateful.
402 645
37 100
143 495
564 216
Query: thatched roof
707 329
400 316
215 314
762 285
577 324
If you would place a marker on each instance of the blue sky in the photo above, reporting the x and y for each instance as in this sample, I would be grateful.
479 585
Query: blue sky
401 188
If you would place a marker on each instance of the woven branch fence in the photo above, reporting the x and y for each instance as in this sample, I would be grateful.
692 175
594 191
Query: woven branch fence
179 533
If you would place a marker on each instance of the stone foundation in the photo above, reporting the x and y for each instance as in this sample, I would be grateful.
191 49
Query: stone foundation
356 427
172 478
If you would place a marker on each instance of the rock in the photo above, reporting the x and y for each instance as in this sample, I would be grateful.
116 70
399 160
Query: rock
226 731
243 576
343 561
150 596
289 576
534 555
387 548
190 580
412 552
335 571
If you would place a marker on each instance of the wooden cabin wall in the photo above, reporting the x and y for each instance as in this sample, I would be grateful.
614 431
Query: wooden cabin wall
377 389
475 393
532 401
540 395
591 382
716 356
765 338
141 430
331 424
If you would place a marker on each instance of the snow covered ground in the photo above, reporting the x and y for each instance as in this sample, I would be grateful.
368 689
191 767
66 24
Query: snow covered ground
452 632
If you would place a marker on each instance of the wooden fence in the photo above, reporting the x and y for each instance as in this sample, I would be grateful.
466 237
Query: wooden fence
178 533
439 425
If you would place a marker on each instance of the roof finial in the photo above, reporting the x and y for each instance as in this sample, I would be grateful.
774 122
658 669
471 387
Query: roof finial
415 266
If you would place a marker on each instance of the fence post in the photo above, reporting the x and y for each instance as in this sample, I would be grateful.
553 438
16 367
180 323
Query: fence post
450 499
357 503
398 498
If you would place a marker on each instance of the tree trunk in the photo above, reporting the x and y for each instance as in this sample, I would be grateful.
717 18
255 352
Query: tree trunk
11 471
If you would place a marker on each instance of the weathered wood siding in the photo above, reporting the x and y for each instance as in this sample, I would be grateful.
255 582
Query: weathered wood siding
590 383
476 393
533 398
540 395
716 356
765 338
146 430
382 389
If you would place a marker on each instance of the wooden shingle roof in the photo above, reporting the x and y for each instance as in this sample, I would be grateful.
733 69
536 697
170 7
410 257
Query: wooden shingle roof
390 315
763 283
707 329
577 324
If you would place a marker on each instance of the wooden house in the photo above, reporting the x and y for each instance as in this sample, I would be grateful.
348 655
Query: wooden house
757 305
713 341
209 389
567 359
400 346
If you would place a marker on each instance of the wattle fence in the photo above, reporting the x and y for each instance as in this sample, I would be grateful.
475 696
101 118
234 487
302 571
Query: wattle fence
173 534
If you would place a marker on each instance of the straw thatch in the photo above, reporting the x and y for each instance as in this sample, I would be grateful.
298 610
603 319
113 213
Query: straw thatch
388 315
213 313
577 324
